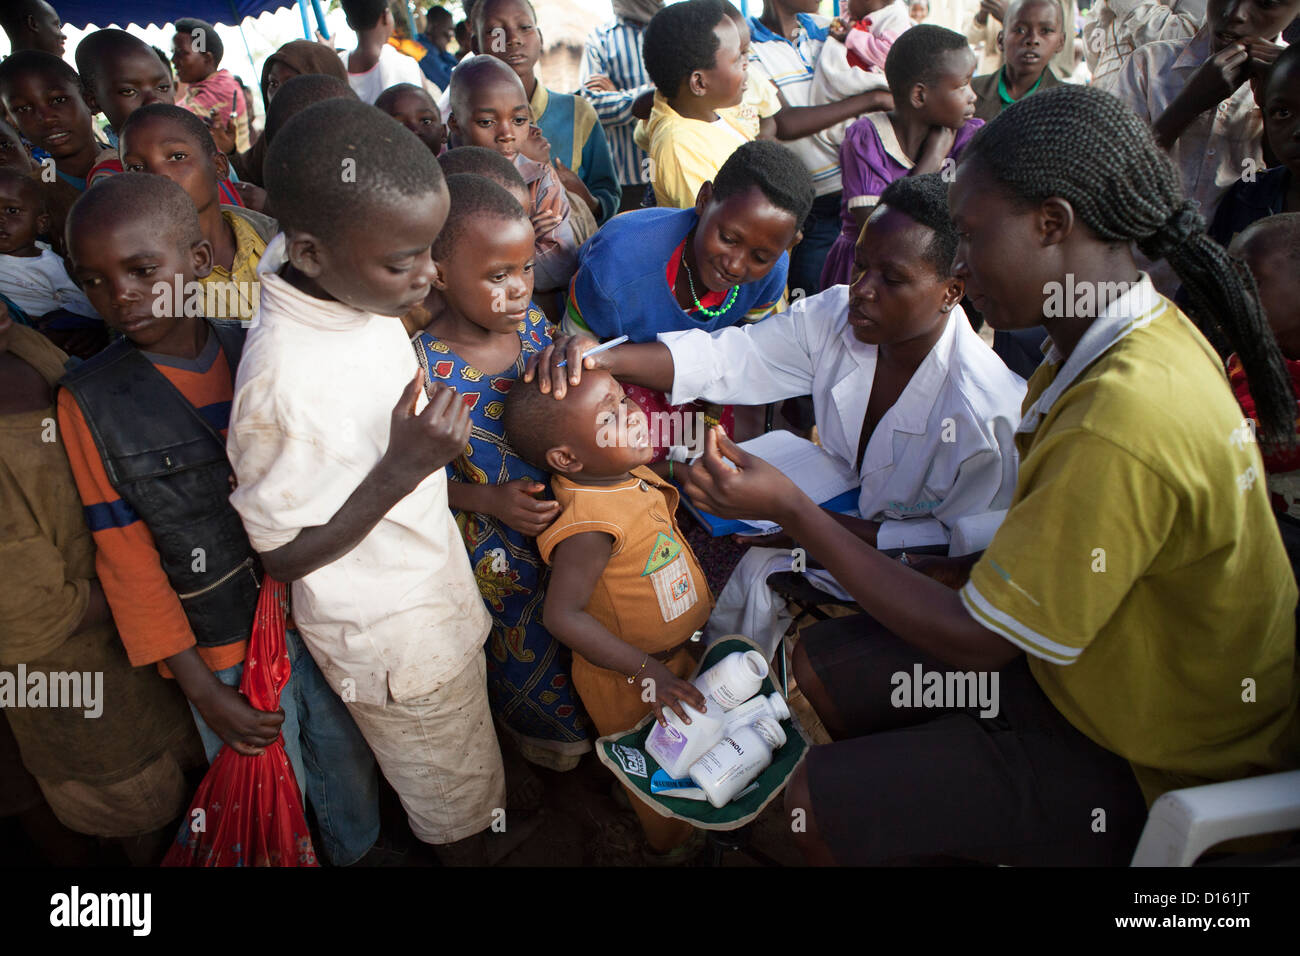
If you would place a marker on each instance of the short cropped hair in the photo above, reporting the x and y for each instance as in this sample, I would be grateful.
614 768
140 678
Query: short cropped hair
29 186
300 92
384 99
138 196
473 198
917 57
470 69
774 169
363 14
478 161
340 162
1281 231
194 127
98 46
531 421
679 40
14 12
924 199
36 61
477 15
211 42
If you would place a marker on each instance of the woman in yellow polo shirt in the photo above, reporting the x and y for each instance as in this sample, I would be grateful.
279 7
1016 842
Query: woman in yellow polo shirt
1130 629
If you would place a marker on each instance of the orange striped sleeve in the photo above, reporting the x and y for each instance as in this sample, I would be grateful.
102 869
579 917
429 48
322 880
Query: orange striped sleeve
147 611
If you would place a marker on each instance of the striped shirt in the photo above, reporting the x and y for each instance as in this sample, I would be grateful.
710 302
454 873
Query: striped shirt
790 65
614 50
149 616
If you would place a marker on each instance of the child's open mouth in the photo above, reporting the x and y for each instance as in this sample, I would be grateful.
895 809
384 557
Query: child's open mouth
638 432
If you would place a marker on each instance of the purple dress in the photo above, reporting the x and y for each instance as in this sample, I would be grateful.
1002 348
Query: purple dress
870 159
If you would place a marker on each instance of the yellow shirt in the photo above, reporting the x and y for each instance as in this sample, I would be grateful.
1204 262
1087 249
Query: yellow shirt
233 293
685 153
1139 564
759 102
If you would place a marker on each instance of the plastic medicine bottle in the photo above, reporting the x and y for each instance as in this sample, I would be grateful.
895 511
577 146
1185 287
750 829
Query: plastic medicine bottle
736 759
676 746
773 706
733 680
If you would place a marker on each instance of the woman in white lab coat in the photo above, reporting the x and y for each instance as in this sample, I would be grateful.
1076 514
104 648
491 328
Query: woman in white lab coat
904 392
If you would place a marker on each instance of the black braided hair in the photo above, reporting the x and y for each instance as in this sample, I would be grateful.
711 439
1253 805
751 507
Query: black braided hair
1085 146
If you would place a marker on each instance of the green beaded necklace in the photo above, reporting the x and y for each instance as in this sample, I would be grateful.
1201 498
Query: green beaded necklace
711 313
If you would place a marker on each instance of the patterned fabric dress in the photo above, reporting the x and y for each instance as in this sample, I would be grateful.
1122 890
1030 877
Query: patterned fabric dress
529 687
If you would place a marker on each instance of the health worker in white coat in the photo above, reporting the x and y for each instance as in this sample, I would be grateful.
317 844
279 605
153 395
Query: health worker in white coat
905 393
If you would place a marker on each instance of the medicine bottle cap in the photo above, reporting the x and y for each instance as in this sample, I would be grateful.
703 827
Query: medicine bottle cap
771 731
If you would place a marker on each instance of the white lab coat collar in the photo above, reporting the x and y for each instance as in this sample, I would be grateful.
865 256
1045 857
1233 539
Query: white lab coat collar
912 410
1131 311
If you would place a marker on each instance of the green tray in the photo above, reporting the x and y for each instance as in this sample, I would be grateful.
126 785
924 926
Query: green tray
624 754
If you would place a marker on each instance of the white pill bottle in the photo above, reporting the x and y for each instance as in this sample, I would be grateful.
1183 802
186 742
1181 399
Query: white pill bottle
733 680
773 706
740 756
678 745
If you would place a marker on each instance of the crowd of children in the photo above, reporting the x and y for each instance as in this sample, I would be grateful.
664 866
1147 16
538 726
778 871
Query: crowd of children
350 354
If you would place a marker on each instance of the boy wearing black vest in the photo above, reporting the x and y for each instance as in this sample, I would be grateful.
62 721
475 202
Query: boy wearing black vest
144 424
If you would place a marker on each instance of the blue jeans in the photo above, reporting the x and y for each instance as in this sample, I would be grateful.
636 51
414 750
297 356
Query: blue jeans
326 750
819 232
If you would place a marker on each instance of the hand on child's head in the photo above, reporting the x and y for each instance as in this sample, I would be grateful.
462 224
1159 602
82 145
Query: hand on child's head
554 379
595 432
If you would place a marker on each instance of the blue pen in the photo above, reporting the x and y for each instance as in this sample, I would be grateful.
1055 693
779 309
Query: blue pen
599 348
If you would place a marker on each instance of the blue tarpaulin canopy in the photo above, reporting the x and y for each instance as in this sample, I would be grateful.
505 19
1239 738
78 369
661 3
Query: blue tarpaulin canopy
79 13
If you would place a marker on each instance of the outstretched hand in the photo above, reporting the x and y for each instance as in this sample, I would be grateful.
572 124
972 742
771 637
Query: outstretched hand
568 349
731 483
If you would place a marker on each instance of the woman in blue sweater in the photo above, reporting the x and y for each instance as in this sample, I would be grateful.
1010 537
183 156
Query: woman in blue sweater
720 263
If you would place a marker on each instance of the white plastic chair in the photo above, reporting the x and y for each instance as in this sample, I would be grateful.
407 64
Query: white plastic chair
1183 824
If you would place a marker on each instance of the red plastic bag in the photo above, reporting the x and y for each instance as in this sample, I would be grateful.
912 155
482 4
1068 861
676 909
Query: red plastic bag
249 808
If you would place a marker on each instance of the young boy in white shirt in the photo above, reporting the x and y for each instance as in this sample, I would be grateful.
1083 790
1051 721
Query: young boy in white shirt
31 275
375 64
340 463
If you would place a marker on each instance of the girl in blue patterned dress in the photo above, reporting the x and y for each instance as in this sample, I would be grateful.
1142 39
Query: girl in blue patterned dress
483 330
